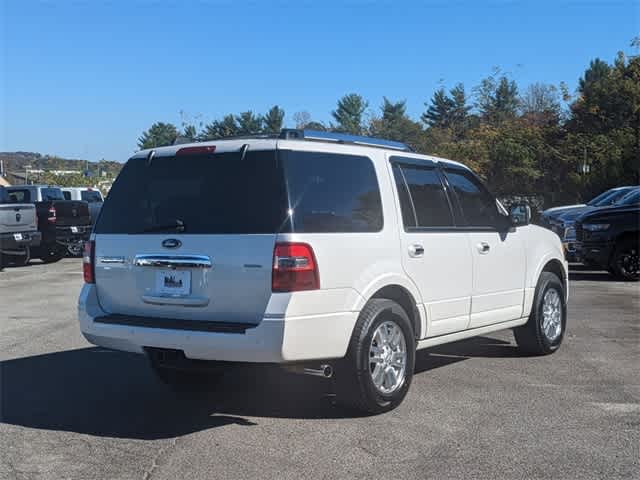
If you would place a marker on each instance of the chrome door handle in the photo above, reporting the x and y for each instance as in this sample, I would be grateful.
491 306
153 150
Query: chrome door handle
416 250
483 248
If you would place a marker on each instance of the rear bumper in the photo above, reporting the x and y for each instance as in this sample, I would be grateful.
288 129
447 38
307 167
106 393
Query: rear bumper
73 234
8 241
273 340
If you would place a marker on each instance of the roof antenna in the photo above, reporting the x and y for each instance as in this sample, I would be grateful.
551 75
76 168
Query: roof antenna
150 156
243 151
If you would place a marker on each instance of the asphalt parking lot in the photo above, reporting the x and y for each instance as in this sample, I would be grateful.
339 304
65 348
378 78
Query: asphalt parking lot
477 408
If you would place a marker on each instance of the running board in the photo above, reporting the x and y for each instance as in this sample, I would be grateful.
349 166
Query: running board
474 332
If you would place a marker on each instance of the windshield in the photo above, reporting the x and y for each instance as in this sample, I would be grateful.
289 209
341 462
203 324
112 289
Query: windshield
630 198
609 197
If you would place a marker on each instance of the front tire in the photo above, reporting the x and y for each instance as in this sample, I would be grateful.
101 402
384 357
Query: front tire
544 331
376 374
625 263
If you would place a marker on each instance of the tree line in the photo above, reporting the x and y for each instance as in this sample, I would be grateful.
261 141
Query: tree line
540 140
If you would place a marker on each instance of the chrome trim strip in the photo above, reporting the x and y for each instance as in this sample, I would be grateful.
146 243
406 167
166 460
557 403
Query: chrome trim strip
110 260
173 261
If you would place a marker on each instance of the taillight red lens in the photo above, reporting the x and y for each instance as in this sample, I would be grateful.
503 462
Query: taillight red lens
88 261
51 214
294 268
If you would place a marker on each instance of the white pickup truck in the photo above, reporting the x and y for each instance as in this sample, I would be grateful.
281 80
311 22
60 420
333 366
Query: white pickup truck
18 231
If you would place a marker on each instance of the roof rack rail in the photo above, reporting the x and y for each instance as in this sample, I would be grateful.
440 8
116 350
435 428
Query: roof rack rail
320 136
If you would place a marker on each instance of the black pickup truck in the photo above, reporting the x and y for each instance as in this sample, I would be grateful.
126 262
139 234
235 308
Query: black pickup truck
65 224
609 238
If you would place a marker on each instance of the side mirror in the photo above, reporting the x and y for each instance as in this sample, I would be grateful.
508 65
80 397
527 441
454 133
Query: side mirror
520 214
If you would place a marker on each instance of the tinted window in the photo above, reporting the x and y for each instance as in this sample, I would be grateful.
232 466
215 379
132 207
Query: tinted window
406 207
91 196
51 194
332 192
428 197
67 195
611 197
478 206
630 198
19 196
214 194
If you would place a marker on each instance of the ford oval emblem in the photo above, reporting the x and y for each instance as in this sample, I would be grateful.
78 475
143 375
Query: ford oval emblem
171 243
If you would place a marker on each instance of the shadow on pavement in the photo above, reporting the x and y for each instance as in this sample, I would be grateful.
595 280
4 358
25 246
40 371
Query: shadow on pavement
114 394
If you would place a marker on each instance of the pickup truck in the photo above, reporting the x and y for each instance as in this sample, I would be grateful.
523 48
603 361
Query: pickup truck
609 238
64 224
90 195
18 231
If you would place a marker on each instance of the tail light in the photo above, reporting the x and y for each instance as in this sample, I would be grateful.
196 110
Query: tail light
294 268
88 261
51 214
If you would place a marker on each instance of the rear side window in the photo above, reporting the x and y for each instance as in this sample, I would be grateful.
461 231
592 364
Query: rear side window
208 194
19 196
67 195
478 206
90 196
51 194
423 200
331 192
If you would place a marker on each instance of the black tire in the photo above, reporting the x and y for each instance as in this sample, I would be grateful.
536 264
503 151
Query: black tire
531 337
625 261
51 254
355 386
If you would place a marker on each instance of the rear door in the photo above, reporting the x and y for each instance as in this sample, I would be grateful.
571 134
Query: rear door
191 236
497 252
435 254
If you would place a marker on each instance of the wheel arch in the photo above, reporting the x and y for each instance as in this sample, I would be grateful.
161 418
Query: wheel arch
405 299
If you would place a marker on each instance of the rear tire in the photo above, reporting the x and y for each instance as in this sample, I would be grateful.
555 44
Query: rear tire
544 331
376 373
51 254
625 262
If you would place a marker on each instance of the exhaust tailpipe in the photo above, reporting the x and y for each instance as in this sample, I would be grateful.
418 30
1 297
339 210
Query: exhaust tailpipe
325 371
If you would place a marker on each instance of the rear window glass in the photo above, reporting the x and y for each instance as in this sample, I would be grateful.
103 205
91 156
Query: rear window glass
19 196
67 195
263 193
331 192
91 196
207 194
51 194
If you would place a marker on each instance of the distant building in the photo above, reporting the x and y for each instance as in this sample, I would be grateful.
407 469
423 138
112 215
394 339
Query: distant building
4 182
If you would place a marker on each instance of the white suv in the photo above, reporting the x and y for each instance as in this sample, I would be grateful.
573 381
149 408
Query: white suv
333 255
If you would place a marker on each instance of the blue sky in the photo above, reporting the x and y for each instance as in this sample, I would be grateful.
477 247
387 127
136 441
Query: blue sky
83 79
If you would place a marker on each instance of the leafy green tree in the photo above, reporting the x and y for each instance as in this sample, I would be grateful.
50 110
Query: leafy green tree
395 124
249 123
160 134
274 120
226 127
190 132
440 111
350 114
313 125
497 99
598 70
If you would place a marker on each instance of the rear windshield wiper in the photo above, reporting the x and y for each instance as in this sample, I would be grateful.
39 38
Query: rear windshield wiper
177 225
